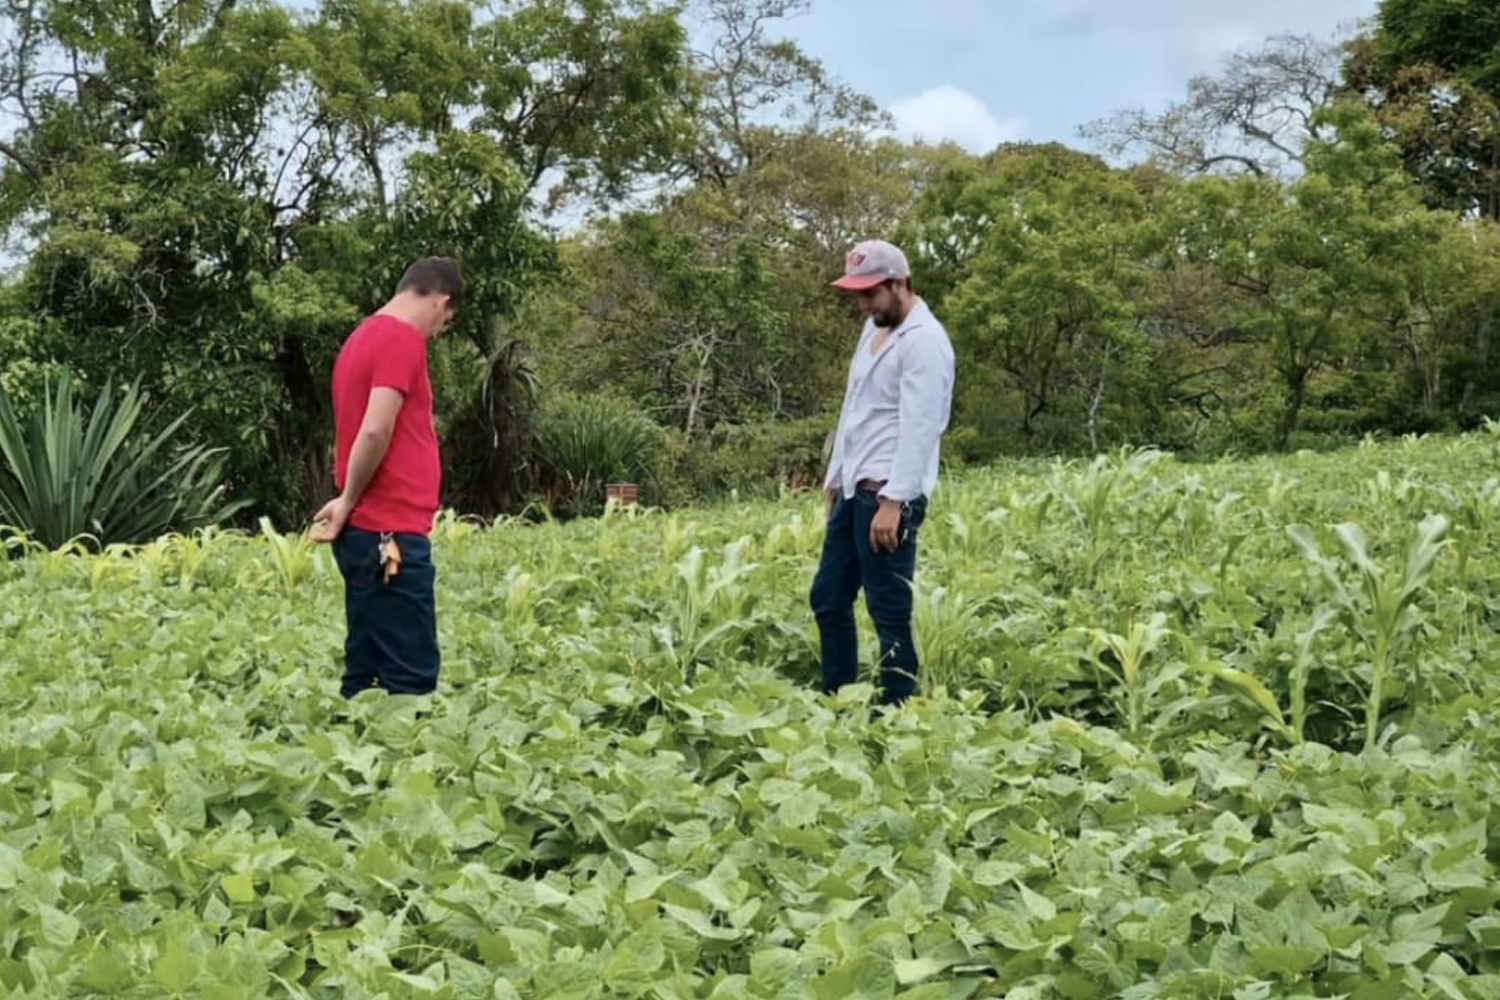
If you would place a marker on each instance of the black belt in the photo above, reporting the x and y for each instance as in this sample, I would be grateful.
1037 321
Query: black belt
871 485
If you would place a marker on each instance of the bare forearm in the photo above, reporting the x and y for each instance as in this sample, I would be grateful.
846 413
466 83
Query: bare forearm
364 459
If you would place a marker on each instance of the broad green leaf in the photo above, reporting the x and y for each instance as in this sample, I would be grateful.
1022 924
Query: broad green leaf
701 924
1284 960
59 929
225 991
1247 685
239 887
105 972
914 970
11 867
176 968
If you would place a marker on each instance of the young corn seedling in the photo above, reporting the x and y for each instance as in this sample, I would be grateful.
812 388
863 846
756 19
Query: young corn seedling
1378 604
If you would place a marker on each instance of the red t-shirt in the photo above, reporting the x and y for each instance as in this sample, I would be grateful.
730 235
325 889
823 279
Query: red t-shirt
403 495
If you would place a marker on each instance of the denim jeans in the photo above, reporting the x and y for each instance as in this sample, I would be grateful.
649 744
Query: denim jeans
392 639
849 563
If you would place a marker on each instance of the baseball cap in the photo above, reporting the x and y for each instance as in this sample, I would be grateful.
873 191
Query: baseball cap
870 263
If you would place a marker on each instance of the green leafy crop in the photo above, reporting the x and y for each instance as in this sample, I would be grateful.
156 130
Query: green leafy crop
1217 731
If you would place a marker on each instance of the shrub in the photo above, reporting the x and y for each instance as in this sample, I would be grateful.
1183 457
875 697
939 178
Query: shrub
754 459
585 442
96 471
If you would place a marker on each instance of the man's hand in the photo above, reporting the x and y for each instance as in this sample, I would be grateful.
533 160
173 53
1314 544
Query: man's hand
830 496
370 445
885 526
330 519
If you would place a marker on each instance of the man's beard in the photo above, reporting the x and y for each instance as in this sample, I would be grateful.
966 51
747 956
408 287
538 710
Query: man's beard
886 319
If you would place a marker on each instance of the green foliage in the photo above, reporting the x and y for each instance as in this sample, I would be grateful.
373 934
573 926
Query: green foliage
211 196
1430 73
1379 607
28 361
1455 35
627 787
99 470
689 321
1321 273
1045 308
488 442
584 443
751 460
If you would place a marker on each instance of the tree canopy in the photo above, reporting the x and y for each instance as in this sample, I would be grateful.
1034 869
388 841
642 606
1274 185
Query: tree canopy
648 201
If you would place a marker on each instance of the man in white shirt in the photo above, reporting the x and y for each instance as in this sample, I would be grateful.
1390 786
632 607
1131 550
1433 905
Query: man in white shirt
883 468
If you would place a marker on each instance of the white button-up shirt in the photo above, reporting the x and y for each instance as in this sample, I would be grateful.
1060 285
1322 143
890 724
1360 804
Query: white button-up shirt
895 409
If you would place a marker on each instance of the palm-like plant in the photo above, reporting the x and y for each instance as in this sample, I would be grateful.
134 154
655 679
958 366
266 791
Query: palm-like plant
97 471
585 442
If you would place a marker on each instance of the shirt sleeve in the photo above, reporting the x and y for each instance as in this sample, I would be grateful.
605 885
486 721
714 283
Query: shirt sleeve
926 392
833 478
398 363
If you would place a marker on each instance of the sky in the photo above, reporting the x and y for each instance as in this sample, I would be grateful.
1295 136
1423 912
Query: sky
982 72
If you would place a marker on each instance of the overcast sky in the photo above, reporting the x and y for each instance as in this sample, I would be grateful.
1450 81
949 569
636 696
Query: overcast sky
981 72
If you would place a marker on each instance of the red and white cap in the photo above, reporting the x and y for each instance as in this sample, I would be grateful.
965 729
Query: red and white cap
870 263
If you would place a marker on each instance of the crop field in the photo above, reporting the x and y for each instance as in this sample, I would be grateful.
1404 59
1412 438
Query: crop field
1217 731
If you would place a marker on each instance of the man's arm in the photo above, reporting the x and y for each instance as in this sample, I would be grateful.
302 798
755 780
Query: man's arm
926 388
926 398
370 445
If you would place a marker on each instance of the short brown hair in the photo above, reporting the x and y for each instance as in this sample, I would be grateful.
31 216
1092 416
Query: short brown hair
434 276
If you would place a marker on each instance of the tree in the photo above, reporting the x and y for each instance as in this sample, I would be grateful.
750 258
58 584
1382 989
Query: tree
1445 342
1320 268
709 303
1255 117
1430 72
754 86
1040 248
213 195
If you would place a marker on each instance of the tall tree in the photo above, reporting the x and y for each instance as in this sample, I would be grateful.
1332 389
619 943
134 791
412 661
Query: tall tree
1037 254
754 85
213 193
1431 71
1256 116
1321 268
709 304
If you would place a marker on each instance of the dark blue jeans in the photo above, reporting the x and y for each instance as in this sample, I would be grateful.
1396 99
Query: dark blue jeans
392 640
849 563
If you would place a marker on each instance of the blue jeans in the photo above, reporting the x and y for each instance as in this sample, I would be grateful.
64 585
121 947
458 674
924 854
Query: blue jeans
392 640
849 563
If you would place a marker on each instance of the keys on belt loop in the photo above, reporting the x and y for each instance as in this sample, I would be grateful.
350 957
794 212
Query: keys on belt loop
390 556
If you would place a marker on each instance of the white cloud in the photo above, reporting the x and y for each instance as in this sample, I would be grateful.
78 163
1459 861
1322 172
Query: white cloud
948 113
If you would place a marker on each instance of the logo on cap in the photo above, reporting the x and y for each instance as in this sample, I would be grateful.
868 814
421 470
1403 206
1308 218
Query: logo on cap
869 263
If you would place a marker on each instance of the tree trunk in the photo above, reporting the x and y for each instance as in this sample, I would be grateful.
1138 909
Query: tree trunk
1296 395
1093 419
1482 339
301 440
699 388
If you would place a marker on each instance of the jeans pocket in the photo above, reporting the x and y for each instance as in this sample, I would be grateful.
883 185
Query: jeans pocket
913 513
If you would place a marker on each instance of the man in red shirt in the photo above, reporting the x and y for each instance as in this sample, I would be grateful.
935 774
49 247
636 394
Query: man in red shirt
388 473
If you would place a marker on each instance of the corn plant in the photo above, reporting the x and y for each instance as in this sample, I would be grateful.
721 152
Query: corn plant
1096 501
1380 605
714 601
293 557
188 808
1123 658
953 633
